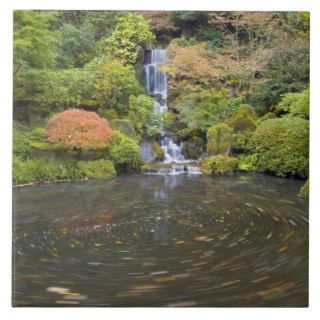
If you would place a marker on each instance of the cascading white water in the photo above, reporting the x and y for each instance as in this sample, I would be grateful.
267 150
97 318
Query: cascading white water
156 80
157 84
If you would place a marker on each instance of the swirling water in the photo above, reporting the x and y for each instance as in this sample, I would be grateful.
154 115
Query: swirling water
186 240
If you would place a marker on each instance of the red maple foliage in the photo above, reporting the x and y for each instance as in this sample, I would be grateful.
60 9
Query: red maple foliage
79 128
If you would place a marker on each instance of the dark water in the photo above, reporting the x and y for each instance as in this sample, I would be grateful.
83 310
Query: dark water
161 241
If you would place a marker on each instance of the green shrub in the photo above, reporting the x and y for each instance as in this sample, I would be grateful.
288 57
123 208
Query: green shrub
296 104
219 139
283 146
248 163
243 142
124 153
243 119
219 164
97 169
304 191
42 170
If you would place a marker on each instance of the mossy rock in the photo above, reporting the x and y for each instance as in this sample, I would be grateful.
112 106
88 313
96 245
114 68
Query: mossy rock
97 169
158 152
304 191
219 164
248 163
125 126
219 139
193 147
267 116
283 146
243 119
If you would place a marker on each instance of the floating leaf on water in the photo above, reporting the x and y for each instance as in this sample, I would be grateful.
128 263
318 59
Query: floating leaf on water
55 254
58 290
229 283
75 296
180 242
200 238
97 244
269 236
248 204
284 248
126 258
147 264
260 279
118 242
66 302
288 235
275 218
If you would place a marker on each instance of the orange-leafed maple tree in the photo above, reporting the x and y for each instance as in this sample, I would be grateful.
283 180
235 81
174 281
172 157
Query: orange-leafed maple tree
79 128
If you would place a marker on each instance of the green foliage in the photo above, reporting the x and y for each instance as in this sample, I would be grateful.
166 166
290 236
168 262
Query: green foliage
219 164
113 83
243 142
283 146
187 42
243 119
124 153
131 31
76 45
296 104
143 116
248 163
97 169
42 170
219 139
33 45
203 108
304 191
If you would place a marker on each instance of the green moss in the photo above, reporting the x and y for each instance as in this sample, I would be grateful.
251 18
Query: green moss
219 164
90 104
219 139
124 153
267 116
304 191
158 151
125 126
283 146
97 169
243 119
193 147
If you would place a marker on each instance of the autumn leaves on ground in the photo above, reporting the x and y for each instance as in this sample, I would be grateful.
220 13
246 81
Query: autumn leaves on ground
233 77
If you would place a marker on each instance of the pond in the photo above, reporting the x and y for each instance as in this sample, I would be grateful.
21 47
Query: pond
153 240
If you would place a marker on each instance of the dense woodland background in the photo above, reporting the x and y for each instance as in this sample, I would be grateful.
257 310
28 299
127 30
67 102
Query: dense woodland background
238 91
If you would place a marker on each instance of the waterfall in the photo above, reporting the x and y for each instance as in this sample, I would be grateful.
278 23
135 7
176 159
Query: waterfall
156 83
